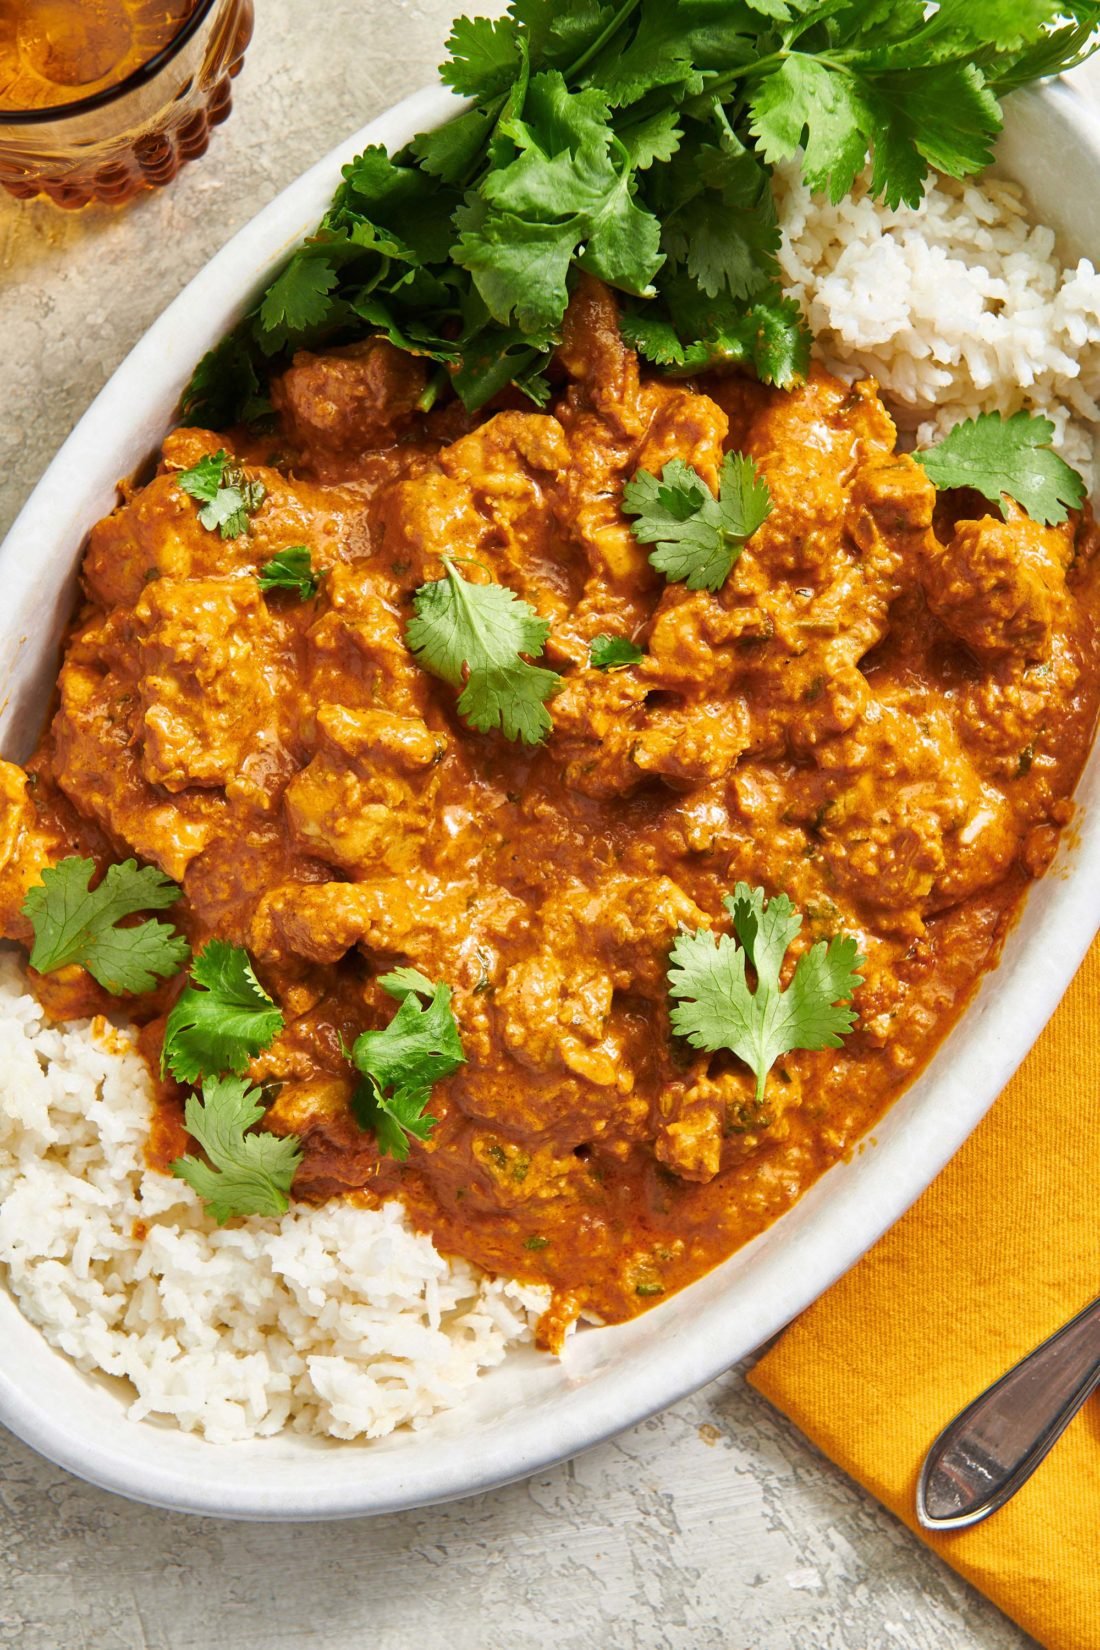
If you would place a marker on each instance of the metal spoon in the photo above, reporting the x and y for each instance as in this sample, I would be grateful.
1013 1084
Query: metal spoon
981 1458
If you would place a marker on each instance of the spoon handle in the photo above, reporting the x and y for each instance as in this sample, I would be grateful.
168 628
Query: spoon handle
981 1458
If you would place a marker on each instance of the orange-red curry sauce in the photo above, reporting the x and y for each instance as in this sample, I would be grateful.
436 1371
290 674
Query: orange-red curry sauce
883 712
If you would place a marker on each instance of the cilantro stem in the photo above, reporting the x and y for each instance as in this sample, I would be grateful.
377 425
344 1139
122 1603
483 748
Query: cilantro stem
602 38
727 137
431 391
701 104
495 112
458 585
714 93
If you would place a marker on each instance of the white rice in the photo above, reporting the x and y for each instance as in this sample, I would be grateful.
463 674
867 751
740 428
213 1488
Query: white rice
338 1320
958 306
342 1320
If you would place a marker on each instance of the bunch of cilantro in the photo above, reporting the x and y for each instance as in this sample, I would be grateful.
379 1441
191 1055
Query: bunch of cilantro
635 139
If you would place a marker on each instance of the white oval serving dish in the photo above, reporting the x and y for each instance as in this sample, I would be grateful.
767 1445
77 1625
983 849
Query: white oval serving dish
533 1410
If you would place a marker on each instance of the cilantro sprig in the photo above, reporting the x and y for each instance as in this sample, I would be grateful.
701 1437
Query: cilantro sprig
998 456
221 1020
74 923
636 140
291 569
716 1008
246 1173
227 498
399 1064
481 638
698 536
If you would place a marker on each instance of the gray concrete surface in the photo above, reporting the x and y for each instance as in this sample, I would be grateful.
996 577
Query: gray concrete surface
713 1527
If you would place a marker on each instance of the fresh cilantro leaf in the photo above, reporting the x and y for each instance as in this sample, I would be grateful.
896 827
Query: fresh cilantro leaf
519 269
298 299
225 387
203 479
898 169
375 181
665 51
291 569
452 150
484 56
716 1008
566 193
559 35
698 536
75 924
773 338
658 58
947 115
613 653
534 384
997 455
404 333
400 981
955 30
400 1063
805 102
656 138
233 521
778 10
224 1023
1055 51
907 92
719 224
392 205
653 337
227 499
495 360
247 1174
478 637
943 116
393 1119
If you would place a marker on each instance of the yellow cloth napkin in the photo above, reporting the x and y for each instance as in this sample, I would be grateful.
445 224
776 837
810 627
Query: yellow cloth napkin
999 1251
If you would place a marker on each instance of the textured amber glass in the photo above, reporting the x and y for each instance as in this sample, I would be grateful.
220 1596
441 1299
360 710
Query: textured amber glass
130 133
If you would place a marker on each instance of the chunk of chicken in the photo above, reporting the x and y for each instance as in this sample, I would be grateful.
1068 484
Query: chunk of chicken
358 396
370 739
323 921
487 497
212 679
907 823
553 1018
356 654
615 427
998 585
97 766
365 800
363 820
636 918
27 846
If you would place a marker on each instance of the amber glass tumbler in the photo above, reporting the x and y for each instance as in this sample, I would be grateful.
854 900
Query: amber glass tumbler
137 133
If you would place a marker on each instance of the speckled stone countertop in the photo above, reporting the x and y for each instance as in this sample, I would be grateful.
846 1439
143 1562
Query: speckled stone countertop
714 1526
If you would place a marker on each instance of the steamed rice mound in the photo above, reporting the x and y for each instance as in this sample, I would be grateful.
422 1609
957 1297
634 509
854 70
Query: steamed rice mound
958 306
338 1320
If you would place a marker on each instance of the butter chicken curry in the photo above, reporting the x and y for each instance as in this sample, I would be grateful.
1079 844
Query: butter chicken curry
882 713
